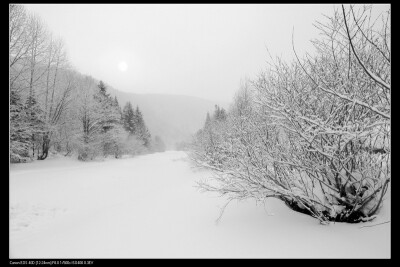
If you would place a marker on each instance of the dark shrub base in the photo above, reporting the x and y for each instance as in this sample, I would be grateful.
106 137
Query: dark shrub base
345 216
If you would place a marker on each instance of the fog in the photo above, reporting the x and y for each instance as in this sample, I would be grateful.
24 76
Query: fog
196 50
122 115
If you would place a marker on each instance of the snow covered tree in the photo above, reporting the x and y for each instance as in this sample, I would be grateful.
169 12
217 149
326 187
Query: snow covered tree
100 118
110 119
19 45
103 89
219 114
118 107
20 134
35 63
26 52
209 140
141 130
90 116
34 116
57 92
315 133
207 123
128 118
134 124
58 98
18 48
54 107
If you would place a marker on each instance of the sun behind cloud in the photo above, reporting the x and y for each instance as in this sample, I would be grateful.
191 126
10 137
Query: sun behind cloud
123 66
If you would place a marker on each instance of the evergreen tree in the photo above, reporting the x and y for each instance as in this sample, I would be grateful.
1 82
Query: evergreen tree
34 117
222 115
208 121
103 88
110 118
128 118
33 111
219 114
117 106
20 134
141 130
108 109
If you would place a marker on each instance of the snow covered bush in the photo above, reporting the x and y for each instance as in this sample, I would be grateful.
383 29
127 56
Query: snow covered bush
314 133
209 140
131 145
157 144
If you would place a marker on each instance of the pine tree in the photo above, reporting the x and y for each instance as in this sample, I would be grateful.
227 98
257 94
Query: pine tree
117 106
103 88
20 134
222 115
109 111
110 118
35 119
141 130
219 114
208 121
128 118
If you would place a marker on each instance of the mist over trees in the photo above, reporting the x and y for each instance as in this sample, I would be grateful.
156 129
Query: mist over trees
53 108
315 132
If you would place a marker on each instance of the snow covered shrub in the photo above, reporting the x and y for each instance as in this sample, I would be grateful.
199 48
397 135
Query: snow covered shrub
314 133
157 144
89 147
132 145
209 141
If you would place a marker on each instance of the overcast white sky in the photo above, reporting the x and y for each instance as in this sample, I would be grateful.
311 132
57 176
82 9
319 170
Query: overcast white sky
198 50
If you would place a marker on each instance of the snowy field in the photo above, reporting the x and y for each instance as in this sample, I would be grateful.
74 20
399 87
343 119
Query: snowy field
148 207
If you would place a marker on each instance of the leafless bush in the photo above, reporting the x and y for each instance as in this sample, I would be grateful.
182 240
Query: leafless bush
315 133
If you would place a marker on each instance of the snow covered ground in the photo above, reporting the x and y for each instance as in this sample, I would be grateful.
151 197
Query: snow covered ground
148 207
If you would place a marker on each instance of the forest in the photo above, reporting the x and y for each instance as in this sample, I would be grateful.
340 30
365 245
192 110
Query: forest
56 109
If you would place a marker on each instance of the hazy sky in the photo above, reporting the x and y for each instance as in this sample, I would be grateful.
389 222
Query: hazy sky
199 50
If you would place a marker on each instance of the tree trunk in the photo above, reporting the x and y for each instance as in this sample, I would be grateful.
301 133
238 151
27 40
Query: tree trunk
45 147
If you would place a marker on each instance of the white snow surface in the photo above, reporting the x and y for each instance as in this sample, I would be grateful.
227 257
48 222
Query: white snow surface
148 207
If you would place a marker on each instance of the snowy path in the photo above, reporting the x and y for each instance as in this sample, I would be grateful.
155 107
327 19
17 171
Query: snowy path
148 207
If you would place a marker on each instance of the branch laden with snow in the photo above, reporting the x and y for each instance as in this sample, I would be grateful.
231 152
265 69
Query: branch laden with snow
314 133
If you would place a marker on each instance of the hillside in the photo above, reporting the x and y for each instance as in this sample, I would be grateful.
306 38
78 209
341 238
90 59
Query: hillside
172 117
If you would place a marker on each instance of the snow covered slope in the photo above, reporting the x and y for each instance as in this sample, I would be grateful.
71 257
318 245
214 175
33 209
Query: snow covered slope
148 207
